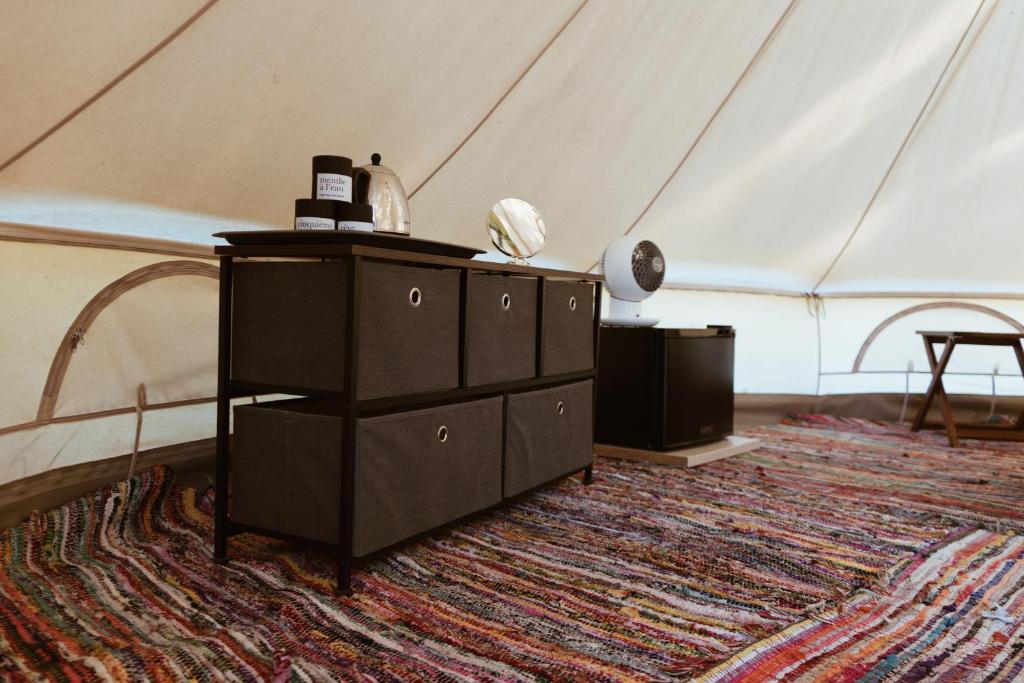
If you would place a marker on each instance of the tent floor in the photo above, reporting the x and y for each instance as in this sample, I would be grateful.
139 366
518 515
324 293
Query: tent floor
743 569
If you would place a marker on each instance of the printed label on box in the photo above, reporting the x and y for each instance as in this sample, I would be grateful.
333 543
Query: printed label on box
333 186
358 226
313 223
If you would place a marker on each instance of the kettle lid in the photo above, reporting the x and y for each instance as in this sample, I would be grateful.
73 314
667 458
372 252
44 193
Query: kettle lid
375 168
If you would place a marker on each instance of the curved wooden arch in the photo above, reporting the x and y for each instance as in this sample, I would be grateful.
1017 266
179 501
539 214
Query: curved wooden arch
927 307
96 305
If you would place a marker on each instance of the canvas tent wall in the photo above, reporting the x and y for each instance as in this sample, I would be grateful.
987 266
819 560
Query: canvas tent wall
811 169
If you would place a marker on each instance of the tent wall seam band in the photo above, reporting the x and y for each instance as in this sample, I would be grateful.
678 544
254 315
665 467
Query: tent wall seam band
68 237
96 305
714 115
35 424
870 339
795 294
95 473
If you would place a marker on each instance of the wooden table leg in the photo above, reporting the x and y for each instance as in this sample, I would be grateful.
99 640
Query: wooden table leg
938 390
922 412
1019 352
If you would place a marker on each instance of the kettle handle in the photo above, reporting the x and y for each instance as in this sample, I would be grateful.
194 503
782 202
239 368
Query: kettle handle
360 185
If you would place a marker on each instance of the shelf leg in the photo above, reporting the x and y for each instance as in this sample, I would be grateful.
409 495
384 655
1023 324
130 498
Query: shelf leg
346 504
588 475
220 530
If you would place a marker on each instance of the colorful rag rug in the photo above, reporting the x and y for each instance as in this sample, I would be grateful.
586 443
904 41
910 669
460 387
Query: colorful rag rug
940 622
651 573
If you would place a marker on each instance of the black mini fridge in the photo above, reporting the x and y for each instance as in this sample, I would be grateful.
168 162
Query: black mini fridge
664 389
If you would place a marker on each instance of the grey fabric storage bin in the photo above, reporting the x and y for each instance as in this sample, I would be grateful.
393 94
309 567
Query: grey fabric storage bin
409 481
286 329
543 443
568 331
501 333
407 349
289 323
286 467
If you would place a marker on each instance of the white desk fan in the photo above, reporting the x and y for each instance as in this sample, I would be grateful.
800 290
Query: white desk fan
633 270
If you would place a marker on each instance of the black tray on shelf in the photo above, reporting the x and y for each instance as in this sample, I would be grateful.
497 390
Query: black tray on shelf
380 240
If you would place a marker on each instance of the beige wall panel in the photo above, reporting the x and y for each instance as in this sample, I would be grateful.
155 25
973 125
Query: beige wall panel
771 193
224 120
55 54
848 322
32 451
162 334
42 289
776 342
599 123
948 219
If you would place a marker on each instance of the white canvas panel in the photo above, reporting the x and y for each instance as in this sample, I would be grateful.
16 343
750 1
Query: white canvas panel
54 55
43 287
596 127
777 184
848 322
949 217
223 122
776 349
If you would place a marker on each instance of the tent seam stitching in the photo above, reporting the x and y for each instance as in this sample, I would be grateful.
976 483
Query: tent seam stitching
504 96
718 110
941 81
132 68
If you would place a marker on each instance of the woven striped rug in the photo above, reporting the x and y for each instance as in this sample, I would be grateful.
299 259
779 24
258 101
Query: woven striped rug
651 573
940 622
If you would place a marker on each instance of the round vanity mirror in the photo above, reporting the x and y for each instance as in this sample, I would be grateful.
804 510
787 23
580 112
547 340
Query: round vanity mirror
516 228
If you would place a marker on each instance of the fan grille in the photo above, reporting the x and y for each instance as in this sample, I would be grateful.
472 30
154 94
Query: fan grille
648 266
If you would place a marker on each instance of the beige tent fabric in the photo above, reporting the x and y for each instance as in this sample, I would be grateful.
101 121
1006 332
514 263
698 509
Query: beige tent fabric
777 185
162 334
56 54
948 219
600 122
223 121
42 289
584 107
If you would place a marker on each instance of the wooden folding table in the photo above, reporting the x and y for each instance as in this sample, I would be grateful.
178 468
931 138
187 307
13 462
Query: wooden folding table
950 340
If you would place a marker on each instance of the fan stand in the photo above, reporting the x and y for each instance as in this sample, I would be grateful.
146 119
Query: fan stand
626 313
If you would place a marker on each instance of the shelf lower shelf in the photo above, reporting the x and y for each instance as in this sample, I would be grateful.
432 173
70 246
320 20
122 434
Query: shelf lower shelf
408 401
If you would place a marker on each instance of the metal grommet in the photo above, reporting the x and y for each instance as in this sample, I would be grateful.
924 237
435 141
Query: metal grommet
572 303
506 301
415 297
442 433
561 407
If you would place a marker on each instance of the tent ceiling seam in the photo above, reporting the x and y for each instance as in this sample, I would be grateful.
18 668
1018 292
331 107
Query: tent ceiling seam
134 66
501 99
906 142
707 125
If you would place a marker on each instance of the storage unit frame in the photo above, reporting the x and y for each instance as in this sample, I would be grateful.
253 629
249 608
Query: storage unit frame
352 408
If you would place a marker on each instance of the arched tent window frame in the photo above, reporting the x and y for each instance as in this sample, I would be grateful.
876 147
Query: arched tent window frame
92 310
978 308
